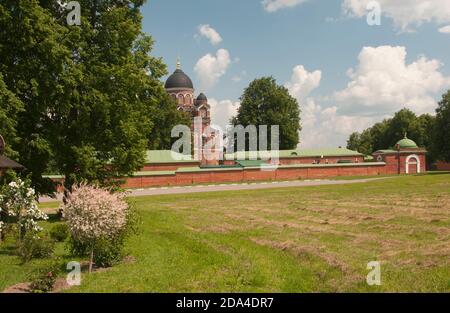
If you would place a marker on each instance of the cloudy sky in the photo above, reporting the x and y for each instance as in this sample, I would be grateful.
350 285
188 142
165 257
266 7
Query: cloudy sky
345 73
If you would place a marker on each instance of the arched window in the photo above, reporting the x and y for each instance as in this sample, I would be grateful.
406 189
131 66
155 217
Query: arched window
187 99
180 99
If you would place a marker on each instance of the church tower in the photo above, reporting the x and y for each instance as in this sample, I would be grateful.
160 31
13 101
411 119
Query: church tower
180 87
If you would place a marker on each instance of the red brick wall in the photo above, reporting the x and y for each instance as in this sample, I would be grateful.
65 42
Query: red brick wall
227 176
205 177
257 174
442 166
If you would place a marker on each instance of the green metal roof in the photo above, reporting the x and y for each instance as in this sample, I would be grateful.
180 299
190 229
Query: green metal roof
325 152
167 156
406 143
251 163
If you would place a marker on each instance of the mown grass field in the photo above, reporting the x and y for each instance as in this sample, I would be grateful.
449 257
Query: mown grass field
309 239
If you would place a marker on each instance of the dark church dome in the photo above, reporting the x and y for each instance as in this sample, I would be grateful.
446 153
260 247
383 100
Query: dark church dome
179 80
202 97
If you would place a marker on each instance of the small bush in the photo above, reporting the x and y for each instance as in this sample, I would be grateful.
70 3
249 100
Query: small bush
32 247
98 221
59 232
108 252
78 248
44 279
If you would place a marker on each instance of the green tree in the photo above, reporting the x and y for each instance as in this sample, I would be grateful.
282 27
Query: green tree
404 121
385 134
354 141
378 136
10 107
361 142
441 137
34 66
166 116
427 124
89 92
115 95
266 103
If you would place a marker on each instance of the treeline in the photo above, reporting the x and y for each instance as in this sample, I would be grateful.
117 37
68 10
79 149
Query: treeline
430 132
83 101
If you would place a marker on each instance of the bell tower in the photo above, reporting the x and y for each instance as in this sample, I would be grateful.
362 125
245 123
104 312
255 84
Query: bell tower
179 86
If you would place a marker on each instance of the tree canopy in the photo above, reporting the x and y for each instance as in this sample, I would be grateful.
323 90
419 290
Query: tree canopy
266 103
441 133
385 134
80 100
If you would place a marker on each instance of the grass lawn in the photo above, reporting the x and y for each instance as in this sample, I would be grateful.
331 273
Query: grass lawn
308 239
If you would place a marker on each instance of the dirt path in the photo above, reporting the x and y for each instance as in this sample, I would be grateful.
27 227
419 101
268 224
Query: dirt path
230 187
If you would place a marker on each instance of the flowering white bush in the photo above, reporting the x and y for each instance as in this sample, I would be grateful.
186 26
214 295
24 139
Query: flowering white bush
93 213
18 201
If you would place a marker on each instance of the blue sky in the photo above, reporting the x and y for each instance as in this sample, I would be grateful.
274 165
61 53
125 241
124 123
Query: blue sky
310 46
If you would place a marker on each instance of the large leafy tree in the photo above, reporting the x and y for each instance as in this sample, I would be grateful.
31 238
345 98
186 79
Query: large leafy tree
166 116
404 122
89 92
361 142
33 65
385 134
379 139
10 107
266 103
441 137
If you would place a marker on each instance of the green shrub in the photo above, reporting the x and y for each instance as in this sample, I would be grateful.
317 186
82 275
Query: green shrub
108 252
77 248
59 232
32 247
44 278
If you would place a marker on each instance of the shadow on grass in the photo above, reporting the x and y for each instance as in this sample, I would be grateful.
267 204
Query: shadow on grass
8 249
54 218
434 173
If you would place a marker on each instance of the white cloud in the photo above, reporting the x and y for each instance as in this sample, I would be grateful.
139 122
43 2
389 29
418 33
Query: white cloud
404 13
383 83
275 5
303 82
222 111
210 33
321 126
325 127
210 68
445 29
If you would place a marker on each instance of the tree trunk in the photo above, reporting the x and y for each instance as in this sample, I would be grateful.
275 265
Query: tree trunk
91 259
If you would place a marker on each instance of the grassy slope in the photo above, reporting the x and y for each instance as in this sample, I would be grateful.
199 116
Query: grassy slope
291 240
